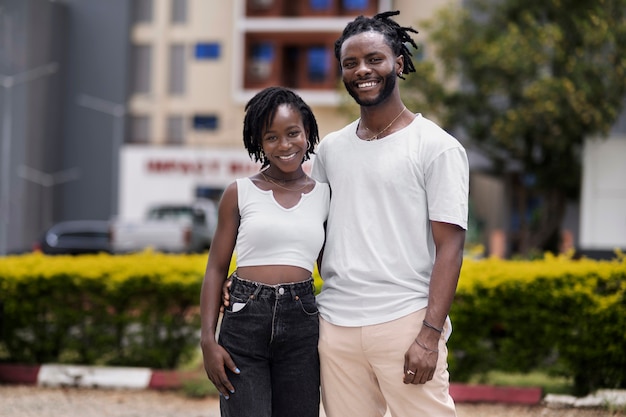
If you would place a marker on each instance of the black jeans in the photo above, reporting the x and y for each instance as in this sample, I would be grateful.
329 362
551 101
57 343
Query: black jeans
271 332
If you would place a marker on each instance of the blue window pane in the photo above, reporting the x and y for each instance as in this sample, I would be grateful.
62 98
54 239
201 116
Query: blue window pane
318 63
261 61
205 122
207 50
355 4
263 52
319 4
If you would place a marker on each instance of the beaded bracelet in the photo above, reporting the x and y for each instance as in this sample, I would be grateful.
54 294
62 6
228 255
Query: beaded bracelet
424 347
430 326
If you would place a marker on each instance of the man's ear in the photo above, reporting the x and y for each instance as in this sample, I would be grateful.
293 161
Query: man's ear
399 65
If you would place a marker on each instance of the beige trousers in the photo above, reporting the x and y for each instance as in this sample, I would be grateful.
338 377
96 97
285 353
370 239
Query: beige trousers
362 371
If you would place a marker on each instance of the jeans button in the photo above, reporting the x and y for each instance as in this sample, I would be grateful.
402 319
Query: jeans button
281 291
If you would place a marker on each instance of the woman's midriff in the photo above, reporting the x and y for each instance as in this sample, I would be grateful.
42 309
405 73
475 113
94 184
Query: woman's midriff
273 274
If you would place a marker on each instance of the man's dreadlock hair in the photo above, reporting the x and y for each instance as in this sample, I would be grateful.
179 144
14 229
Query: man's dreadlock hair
395 35
260 112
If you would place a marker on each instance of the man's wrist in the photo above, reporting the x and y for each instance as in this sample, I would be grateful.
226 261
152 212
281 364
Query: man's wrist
432 327
424 346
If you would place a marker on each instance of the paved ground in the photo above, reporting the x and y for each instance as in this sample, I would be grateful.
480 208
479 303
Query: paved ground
34 401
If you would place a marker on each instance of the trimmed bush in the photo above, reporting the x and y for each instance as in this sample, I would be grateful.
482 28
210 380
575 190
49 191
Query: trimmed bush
139 310
558 315
563 316
134 310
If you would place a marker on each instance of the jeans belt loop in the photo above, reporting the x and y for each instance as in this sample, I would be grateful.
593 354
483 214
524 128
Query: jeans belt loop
292 290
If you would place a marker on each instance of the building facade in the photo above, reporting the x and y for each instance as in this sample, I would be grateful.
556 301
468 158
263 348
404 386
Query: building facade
110 106
32 45
162 76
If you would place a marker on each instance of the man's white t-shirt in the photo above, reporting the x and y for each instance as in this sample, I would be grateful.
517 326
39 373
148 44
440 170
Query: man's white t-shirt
379 250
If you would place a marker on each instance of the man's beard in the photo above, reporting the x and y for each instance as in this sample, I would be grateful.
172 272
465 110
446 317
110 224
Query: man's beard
389 85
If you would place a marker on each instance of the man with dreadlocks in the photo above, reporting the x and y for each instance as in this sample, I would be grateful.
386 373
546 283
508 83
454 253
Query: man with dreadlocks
394 242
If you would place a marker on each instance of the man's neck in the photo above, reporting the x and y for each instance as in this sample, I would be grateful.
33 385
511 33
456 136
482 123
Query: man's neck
376 117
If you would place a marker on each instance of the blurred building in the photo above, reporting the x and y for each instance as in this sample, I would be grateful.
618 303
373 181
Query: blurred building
33 40
108 106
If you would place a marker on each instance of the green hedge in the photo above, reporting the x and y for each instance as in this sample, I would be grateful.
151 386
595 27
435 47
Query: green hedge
138 310
557 314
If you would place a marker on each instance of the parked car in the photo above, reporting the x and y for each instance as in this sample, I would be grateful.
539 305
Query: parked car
168 227
75 237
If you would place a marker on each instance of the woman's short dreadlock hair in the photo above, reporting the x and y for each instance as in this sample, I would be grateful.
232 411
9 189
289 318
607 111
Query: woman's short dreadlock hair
395 35
260 112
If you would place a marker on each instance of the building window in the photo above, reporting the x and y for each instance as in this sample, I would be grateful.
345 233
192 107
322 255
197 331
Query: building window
261 59
298 60
293 60
179 11
308 8
318 64
142 11
177 70
139 129
142 69
320 4
256 6
262 4
207 51
175 130
205 122
356 5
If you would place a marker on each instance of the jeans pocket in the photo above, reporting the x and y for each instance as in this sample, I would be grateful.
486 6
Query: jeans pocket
237 303
308 305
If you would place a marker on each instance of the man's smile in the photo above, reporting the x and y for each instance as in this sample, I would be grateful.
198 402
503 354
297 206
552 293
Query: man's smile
367 84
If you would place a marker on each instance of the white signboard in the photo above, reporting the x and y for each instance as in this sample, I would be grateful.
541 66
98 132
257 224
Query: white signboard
150 175
603 198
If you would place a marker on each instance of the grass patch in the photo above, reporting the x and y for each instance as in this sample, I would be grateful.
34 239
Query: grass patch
549 384
199 387
193 363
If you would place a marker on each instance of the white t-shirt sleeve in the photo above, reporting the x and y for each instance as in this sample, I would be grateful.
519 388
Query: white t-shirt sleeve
447 187
318 172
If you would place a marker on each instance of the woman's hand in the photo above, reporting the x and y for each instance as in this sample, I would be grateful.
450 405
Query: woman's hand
225 294
216 361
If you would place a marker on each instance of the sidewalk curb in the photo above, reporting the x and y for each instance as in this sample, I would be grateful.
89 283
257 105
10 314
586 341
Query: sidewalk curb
54 375
462 393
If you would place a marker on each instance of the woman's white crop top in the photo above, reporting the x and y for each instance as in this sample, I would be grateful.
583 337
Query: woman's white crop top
270 234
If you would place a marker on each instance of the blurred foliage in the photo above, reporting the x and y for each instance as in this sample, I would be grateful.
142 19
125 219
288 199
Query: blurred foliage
139 309
556 315
549 384
526 82
199 387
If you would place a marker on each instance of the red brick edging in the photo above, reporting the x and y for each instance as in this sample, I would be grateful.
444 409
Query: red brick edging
166 379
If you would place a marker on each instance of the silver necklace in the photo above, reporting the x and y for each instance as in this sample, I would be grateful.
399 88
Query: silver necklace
386 127
269 179
282 180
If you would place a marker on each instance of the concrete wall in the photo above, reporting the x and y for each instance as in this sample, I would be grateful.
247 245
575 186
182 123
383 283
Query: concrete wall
98 67
31 75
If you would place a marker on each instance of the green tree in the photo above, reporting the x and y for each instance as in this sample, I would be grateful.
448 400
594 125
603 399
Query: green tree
527 82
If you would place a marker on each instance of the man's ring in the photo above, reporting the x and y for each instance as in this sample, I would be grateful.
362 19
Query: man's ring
410 372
